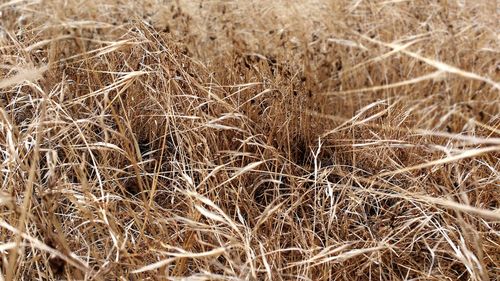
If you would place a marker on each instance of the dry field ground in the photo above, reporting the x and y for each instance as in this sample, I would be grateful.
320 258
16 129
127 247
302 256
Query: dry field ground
250 140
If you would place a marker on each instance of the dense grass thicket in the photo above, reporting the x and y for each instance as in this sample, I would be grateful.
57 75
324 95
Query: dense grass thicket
249 140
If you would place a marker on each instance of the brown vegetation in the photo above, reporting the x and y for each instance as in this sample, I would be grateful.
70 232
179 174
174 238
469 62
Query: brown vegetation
249 140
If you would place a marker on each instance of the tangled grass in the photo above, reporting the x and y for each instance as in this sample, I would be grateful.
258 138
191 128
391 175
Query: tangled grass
249 140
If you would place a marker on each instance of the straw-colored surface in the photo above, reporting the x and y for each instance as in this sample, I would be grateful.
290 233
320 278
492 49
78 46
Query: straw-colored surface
249 140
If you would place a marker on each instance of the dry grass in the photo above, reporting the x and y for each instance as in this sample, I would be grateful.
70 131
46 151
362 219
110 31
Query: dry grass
249 140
